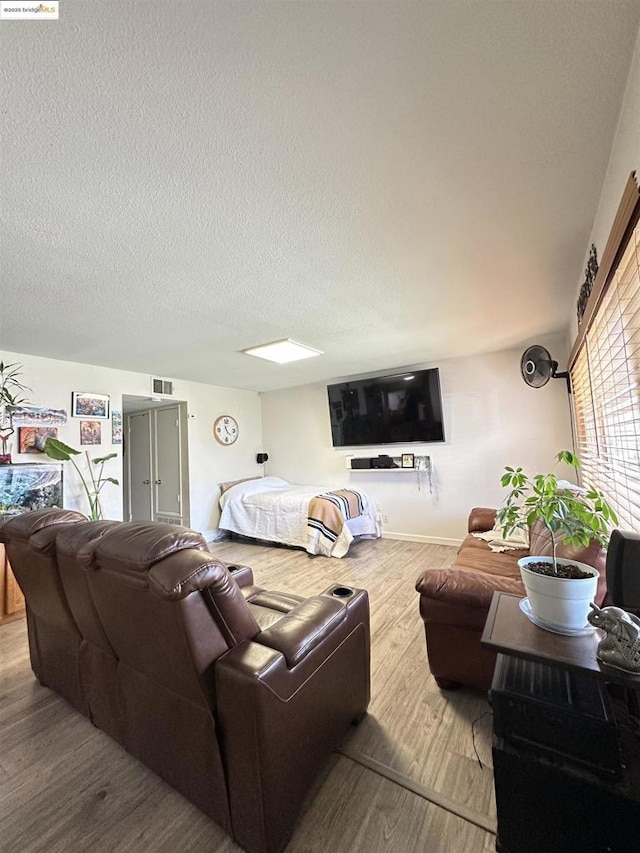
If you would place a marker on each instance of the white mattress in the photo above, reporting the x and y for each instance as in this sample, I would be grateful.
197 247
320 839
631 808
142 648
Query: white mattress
270 508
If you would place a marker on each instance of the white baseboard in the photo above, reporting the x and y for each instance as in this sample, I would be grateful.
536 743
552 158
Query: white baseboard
428 540
217 535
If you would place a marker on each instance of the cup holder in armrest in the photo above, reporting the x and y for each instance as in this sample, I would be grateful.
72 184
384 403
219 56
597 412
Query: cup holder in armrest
242 575
341 591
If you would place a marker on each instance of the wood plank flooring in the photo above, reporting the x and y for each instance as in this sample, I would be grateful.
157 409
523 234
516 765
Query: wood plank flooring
65 786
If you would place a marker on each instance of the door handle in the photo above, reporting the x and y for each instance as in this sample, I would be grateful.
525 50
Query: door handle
146 482
158 482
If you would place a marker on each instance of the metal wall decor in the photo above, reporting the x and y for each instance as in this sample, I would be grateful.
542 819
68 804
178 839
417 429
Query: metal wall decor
589 277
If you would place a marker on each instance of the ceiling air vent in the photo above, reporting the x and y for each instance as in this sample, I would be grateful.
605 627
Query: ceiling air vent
161 386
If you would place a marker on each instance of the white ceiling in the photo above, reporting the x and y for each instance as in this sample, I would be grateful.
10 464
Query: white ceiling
390 182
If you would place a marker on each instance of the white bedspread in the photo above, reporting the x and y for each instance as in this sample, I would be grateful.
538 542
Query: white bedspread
273 509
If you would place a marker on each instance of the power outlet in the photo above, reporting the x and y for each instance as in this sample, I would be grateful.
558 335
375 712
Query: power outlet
385 518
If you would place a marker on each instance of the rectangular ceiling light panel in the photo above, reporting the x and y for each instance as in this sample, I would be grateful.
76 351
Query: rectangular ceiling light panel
283 351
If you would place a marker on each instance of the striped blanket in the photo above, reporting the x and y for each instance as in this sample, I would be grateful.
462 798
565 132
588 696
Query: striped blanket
328 512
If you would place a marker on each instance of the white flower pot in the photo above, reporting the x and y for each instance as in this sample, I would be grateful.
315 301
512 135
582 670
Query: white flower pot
560 602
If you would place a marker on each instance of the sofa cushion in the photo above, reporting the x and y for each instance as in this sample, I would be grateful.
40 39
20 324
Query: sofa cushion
466 589
475 554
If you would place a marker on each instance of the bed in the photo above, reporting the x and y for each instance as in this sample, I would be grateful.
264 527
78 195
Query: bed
310 517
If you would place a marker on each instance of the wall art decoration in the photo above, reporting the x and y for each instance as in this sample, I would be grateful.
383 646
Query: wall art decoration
587 286
86 405
24 487
116 427
36 416
31 439
90 432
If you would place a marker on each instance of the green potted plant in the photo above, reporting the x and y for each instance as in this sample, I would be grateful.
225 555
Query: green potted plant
559 591
11 394
61 452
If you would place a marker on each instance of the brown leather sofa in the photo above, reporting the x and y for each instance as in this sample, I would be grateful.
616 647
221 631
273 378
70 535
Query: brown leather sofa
234 695
454 602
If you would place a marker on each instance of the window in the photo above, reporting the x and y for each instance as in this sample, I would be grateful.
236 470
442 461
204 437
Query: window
605 376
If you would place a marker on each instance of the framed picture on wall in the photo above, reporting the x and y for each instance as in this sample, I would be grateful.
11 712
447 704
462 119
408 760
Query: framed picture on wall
90 432
407 460
86 405
35 486
31 439
116 427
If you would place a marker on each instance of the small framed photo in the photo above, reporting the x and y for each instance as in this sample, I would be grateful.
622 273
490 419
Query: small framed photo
90 432
85 405
407 460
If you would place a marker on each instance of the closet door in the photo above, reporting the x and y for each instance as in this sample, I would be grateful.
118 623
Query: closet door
140 476
167 465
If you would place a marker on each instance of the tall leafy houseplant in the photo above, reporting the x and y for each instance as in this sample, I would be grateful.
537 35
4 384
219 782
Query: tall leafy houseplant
570 517
11 394
61 452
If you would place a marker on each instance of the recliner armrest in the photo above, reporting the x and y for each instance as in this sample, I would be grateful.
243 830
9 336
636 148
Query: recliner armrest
242 575
279 724
465 587
303 629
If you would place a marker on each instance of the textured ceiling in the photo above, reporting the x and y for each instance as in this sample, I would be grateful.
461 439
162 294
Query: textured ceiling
389 182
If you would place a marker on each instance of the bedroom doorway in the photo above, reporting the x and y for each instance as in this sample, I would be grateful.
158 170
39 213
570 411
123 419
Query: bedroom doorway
156 482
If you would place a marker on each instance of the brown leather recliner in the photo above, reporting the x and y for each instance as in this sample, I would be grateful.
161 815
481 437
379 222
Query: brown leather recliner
54 637
235 696
98 661
454 602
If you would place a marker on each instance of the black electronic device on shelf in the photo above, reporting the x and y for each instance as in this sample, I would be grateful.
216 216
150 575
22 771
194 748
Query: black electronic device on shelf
383 461
360 462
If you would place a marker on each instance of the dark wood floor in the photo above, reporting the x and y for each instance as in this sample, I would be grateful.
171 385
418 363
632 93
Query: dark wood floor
65 787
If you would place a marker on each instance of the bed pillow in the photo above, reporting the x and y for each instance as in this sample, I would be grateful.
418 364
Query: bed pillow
225 486
251 486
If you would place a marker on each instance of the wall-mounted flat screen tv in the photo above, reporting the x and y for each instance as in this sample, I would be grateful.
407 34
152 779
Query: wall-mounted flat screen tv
396 409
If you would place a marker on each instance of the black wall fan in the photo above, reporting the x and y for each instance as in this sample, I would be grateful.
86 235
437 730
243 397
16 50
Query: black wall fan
537 367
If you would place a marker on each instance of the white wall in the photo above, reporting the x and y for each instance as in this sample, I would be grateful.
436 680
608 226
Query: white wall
53 381
209 462
492 419
624 159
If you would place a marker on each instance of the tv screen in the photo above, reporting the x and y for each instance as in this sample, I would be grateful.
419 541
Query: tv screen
396 409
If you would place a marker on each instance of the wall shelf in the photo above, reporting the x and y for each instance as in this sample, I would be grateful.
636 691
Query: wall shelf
421 466
421 463
383 470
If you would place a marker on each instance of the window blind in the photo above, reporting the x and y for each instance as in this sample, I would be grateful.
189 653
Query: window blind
605 377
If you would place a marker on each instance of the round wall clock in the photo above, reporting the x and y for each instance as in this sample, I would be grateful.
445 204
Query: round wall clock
225 429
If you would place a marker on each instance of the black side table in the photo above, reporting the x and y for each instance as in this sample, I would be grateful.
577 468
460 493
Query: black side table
566 753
